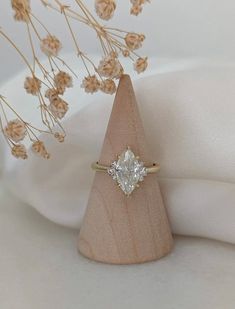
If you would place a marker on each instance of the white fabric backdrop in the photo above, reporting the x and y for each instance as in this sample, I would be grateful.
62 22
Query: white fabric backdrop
188 114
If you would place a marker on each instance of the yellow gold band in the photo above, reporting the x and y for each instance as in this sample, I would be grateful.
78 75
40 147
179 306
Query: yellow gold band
103 168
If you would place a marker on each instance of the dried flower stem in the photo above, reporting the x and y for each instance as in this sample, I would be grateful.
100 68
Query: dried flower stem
17 49
113 43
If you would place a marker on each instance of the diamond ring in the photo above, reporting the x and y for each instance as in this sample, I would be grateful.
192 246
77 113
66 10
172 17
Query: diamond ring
127 171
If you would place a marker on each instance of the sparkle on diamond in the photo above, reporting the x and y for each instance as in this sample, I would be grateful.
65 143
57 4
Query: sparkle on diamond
128 171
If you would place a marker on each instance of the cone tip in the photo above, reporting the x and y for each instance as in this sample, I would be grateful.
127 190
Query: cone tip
124 81
125 76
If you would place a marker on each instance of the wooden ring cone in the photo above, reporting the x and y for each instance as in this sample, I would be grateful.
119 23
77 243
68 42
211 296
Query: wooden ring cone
117 229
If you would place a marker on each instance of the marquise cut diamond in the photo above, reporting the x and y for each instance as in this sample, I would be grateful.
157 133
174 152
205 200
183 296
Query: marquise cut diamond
128 171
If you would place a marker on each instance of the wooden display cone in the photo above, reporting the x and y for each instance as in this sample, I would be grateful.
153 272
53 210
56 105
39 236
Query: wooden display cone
118 229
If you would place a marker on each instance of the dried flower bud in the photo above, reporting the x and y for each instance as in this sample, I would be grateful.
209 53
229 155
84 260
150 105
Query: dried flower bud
32 85
105 8
51 94
62 80
141 64
15 130
58 107
60 137
19 151
110 67
22 10
51 45
91 84
108 86
134 40
126 53
39 148
137 6
113 54
136 10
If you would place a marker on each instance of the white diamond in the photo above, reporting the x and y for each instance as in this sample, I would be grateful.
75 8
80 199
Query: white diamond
127 171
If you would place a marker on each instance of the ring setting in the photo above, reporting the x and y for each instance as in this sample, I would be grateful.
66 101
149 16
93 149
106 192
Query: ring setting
127 171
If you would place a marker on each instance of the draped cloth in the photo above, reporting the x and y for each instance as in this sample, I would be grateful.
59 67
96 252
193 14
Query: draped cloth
188 115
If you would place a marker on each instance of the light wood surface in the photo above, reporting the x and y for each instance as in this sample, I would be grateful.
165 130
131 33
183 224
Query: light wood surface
117 229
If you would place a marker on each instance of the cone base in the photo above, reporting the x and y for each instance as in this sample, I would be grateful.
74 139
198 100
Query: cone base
82 250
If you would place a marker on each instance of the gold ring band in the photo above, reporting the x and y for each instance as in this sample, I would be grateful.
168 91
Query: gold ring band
103 168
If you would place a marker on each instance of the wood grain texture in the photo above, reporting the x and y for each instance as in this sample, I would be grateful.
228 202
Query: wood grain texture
117 229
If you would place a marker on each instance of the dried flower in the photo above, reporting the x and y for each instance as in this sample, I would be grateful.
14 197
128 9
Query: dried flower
51 94
62 81
51 45
126 53
108 86
60 137
22 10
91 84
136 10
113 54
105 8
110 67
134 40
141 64
58 107
32 85
137 6
52 107
39 148
19 151
15 130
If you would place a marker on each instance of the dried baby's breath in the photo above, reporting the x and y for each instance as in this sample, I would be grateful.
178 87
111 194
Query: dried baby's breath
125 53
91 84
63 80
137 6
60 137
48 82
51 94
110 67
38 147
136 10
105 8
141 65
32 85
51 45
15 130
19 151
22 10
108 86
134 40
58 107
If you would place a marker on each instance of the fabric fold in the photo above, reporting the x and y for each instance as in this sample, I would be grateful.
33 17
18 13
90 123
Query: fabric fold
188 117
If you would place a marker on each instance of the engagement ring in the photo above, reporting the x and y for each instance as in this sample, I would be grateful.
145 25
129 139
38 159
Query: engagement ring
127 171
